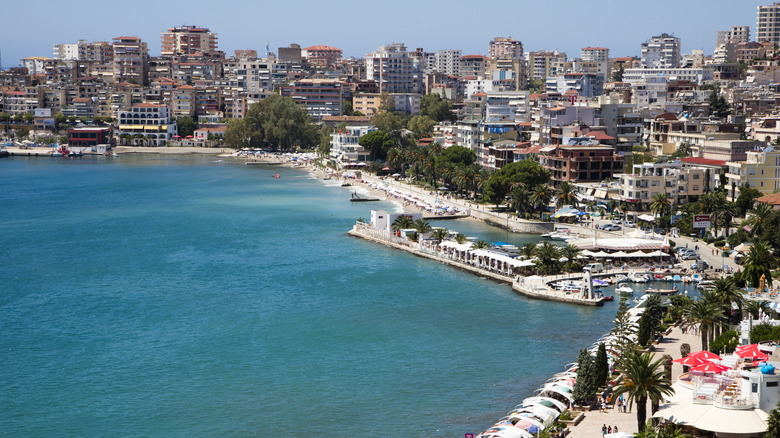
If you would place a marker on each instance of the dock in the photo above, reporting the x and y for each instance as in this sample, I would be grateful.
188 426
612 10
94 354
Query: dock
533 288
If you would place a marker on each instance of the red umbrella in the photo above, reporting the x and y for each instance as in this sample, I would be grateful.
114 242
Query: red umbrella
189 136
177 136
385 168
752 353
690 361
706 355
710 367
746 347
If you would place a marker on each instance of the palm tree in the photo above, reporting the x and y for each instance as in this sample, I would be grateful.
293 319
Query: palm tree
643 378
439 234
759 261
422 227
528 250
570 252
703 314
402 223
460 238
660 204
754 308
549 257
773 423
565 195
480 244
521 199
758 218
541 196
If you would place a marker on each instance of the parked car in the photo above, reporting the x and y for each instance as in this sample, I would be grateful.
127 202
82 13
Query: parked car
604 226
629 224
700 264
594 267
646 229
660 231
690 256
616 221
612 227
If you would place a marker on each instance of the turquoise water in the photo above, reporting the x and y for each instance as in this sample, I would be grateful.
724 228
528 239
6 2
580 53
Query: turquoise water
188 296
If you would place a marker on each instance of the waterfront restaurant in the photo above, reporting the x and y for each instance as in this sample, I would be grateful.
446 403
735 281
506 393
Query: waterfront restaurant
486 259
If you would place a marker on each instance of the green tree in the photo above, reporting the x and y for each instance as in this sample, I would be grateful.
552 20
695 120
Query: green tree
521 199
422 227
684 150
759 261
601 365
643 379
436 108
718 105
377 143
439 234
745 199
660 204
457 155
773 423
281 123
541 197
585 386
703 314
565 194
758 219
386 103
623 329
403 222
389 122
422 126
186 126
725 343
240 134
346 107
549 258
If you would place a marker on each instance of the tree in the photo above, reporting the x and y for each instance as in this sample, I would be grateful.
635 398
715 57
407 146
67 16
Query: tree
684 150
758 262
624 328
439 234
541 196
386 103
521 199
422 227
585 386
601 365
643 378
745 199
422 126
240 134
549 258
718 105
403 222
725 343
186 126
279 122
703 314
436 108
346 107
377 143
773 423
457 155
758 218
660 204
389 122
565 195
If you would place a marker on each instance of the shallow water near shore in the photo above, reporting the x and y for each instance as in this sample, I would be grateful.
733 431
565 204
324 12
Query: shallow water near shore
191 296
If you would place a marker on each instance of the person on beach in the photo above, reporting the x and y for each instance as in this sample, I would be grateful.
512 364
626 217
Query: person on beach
604 430
609 429
615 429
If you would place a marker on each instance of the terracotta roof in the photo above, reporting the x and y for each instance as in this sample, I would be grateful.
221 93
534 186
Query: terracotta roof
570 92
697 160
81 99
479 94
321 48
530 150
598 135
594 48
624 59
473 57
127 38
666 116
148 105
558 108
773 199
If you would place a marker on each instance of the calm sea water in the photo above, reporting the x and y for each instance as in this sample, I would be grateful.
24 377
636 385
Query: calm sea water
188 296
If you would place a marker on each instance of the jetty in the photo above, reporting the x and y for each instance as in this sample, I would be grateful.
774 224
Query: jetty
496 268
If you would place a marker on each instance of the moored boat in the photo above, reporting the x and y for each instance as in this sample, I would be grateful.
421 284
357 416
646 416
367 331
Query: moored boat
663 291
624 290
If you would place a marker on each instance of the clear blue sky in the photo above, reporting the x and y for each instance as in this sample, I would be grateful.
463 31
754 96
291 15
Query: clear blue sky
358 27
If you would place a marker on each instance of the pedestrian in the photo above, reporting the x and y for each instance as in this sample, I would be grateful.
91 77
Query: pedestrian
604 430
615 429
609 429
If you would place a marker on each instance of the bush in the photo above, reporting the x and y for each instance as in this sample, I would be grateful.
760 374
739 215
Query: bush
725 343
566 416
764 332
719 243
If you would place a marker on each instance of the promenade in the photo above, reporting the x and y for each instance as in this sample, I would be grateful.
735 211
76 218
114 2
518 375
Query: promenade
590 426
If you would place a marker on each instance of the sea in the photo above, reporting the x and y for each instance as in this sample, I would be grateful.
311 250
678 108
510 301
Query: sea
167 295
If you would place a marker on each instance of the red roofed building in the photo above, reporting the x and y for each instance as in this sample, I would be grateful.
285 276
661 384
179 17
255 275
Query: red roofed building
146 124
131 59
322 56
188 40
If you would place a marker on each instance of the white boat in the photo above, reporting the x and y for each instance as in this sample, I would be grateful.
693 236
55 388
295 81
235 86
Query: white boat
620 278
624 290
696 278
638 277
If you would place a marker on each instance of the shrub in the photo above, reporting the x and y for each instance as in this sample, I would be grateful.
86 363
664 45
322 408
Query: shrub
725 343
764 332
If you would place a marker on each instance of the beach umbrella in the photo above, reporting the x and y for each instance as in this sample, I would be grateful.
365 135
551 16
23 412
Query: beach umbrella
706 355
710 367
690 361
527 422
746 347
752 353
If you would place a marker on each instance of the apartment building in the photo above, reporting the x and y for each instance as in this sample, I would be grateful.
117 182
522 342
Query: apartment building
368 103
344 147
760 169
472 66
768 23
683 184
661 51
447 62
505 48
507 106
146 124
578 164
394 69
544 64
320 97
597 54
584 84
130 63
322 56
188 40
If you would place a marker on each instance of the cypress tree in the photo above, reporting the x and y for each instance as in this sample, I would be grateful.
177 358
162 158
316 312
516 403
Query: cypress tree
601 366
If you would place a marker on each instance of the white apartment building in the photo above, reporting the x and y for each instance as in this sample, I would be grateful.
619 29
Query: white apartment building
344 146
447 62
768 23
507 106
585 84
661 51
147 124
682 184
761 170
542 64
649 92
394 69
505 48
597 54
695 75
736 35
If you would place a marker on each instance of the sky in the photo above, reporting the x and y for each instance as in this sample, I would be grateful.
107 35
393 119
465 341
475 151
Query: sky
359 27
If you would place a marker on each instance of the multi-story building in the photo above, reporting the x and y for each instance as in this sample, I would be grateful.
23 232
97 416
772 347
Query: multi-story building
447 62
505 48
472 66
188 40
768 23
661 51
578 164
146 124
344 147
695 75
368 103
507 106
130 63
585 84
83 51
542 64
394 69
683 184
597 54
736 35
506 74
761 169
322 56
320 97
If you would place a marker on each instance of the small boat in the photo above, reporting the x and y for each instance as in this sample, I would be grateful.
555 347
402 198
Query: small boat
705 284
686 279
637 277
357 198
668 278
276 175
547 235
663 291
624 290
608 298
696 278
620 278
676 279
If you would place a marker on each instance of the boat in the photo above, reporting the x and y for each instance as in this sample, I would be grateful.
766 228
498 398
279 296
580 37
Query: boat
687 279
669 278
638 277
696 278
624 290
705 284
663 291
608 298
276 175
357 198
676 279
346 184
620 278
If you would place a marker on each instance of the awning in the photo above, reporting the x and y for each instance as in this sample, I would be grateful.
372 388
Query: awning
646 218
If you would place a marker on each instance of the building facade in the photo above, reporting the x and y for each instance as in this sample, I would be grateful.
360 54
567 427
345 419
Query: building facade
661 51
394 69
505 48
768 23
187 40
146 124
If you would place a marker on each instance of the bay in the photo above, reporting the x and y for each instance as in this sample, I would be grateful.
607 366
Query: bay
192 296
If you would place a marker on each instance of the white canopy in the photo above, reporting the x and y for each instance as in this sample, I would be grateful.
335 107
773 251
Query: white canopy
646 217
506 431
455 245
536 400
502 258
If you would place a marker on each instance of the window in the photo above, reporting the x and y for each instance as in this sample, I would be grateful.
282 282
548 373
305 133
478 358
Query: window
696 176
771 384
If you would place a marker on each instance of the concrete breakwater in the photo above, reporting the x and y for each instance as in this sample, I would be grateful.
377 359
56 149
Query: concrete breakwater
532 287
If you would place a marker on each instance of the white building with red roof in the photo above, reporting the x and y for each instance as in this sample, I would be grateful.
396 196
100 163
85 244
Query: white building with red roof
321 55
146 124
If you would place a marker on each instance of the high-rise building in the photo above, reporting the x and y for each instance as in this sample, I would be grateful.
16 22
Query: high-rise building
84 51
394 69
594 54
505 48
735 35
542 65
131 57
188 40
447 62
661 51
768 23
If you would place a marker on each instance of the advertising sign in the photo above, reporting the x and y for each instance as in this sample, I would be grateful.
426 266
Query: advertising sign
701 221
